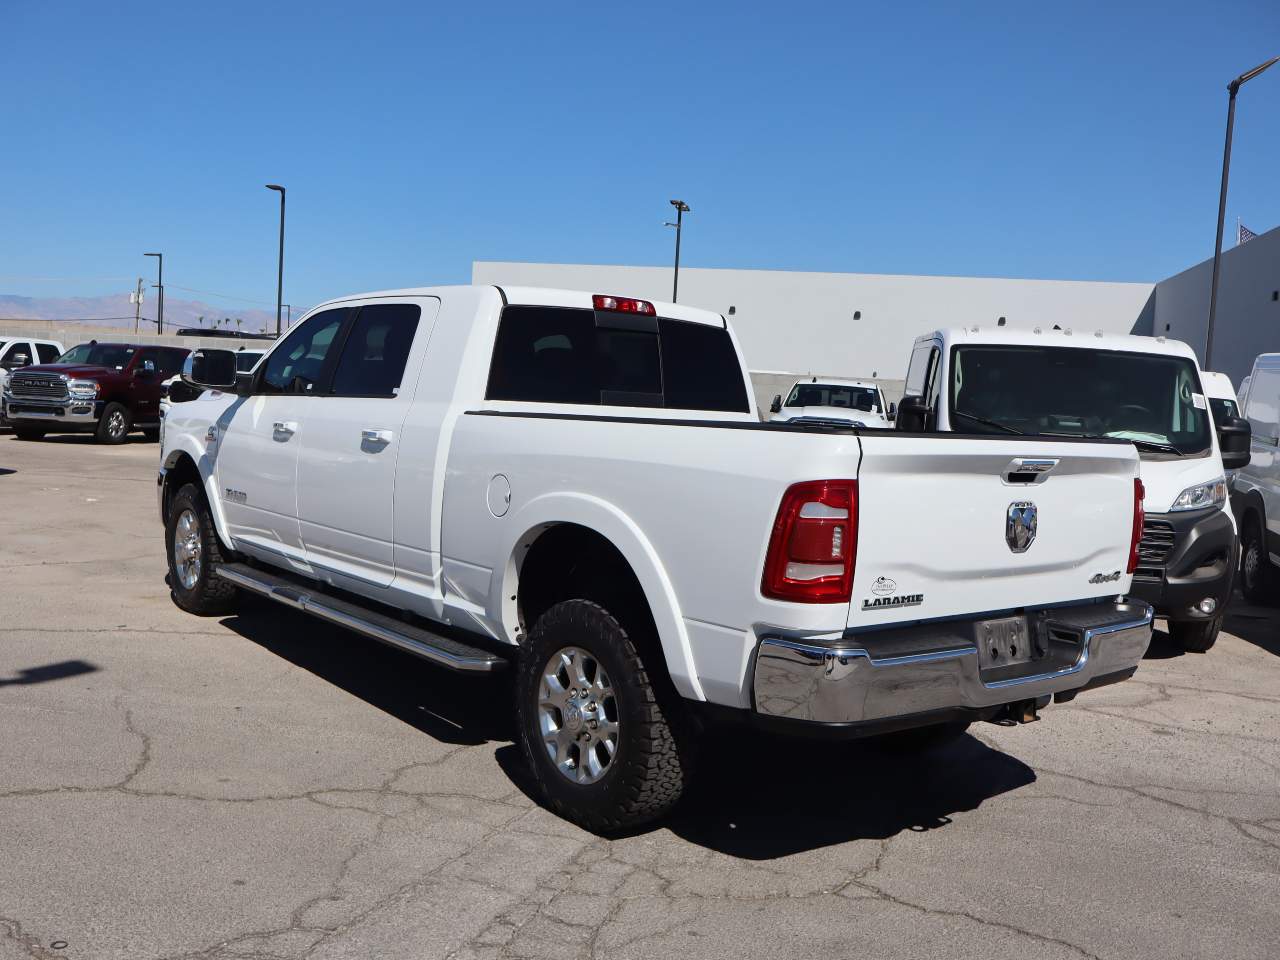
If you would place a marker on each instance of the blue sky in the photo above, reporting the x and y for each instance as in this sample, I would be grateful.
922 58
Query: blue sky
1078 141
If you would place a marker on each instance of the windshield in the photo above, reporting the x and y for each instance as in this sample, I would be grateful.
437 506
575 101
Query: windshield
99 355
246 360
1149 399
834 395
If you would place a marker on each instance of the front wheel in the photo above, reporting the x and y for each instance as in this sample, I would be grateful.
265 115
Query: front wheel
600 740
194 553
115 424
1196 636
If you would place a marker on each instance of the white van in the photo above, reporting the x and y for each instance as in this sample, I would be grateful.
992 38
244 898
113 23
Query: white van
1255 489
1147 391
1223 403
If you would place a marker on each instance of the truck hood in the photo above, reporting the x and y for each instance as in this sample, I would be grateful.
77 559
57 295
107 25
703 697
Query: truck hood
869 417
75 371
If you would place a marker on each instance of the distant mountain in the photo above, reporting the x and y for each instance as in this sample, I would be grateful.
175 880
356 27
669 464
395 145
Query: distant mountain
115 310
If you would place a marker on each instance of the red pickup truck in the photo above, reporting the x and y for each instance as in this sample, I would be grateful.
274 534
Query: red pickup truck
107 389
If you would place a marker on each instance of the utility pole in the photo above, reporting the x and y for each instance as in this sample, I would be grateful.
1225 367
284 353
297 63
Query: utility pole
136 297
280 262
160 287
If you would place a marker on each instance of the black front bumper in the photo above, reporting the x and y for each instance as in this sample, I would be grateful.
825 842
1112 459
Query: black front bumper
1185 558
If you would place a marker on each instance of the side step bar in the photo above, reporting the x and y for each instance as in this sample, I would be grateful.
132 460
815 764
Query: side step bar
444 651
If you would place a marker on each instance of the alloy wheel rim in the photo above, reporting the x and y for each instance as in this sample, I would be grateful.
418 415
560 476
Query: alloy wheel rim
187 554
578 715
115 423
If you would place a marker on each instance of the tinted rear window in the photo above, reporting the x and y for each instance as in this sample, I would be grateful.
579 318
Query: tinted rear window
564 355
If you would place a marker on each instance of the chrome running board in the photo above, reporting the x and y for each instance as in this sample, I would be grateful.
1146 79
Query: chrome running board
443 651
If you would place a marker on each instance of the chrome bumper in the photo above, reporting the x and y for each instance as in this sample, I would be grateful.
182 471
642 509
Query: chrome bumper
845 682
50 411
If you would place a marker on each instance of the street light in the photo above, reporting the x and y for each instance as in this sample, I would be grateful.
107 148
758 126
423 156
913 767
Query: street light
160 287
1232 89
681 209
288 316
280 266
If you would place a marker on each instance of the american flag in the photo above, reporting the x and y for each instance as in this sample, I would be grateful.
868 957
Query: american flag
1243 233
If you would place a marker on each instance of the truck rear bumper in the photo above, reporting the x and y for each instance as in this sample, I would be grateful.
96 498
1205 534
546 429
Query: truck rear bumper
935 669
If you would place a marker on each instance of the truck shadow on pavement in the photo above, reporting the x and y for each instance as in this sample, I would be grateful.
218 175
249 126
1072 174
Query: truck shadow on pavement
1257 626
755 796
453 708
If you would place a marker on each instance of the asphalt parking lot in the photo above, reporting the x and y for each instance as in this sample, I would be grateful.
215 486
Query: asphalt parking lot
264 785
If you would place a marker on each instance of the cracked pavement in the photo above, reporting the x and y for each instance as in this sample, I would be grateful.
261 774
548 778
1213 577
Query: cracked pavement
267 786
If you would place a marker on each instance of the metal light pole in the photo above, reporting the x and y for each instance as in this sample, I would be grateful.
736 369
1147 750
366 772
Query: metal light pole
681 209
288 316
160 296
280 267
1232 89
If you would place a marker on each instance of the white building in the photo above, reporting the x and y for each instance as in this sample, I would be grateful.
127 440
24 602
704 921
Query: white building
862 325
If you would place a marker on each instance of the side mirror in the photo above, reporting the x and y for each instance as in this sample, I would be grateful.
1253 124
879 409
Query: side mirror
776 406
1234 437
20 360
912 413
148 367
893 412
210 369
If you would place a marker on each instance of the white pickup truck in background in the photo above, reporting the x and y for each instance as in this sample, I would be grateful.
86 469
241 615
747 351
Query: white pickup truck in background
857 402
580 484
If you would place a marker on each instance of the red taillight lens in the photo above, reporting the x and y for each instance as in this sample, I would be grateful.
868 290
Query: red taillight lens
814 542
1139 517
623 305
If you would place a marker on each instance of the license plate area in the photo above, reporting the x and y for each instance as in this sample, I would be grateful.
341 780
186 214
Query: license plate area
1004 642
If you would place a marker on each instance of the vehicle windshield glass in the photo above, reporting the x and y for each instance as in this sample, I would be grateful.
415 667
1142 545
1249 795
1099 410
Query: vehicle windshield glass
1223 409
99 355
246 360
1146 398
834 395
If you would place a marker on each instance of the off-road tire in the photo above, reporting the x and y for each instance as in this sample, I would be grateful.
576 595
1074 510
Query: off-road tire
653 762
1258 588
1196 636
921 739
110 429
210 595
28 433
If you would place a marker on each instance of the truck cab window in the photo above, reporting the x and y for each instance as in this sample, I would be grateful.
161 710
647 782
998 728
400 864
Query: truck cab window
47 352
18 348
376 351
298 364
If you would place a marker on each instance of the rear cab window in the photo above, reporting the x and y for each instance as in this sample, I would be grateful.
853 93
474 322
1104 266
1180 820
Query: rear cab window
599 358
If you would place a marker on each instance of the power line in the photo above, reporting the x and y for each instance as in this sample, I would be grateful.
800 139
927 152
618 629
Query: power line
224 296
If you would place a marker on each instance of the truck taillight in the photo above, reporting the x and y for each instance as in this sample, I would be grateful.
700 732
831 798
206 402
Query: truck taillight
1139 517
814 541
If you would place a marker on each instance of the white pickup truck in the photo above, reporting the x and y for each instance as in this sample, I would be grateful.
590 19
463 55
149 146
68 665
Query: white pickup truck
858 402
580 484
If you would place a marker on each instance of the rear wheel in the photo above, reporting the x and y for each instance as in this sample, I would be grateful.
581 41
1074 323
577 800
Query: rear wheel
601 742
28 433
1196 636
115 424
194 554
1256 574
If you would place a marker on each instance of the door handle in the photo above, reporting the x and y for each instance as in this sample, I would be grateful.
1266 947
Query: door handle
288 427
376 436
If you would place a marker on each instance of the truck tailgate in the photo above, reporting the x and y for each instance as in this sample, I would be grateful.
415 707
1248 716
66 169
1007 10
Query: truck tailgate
945 524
